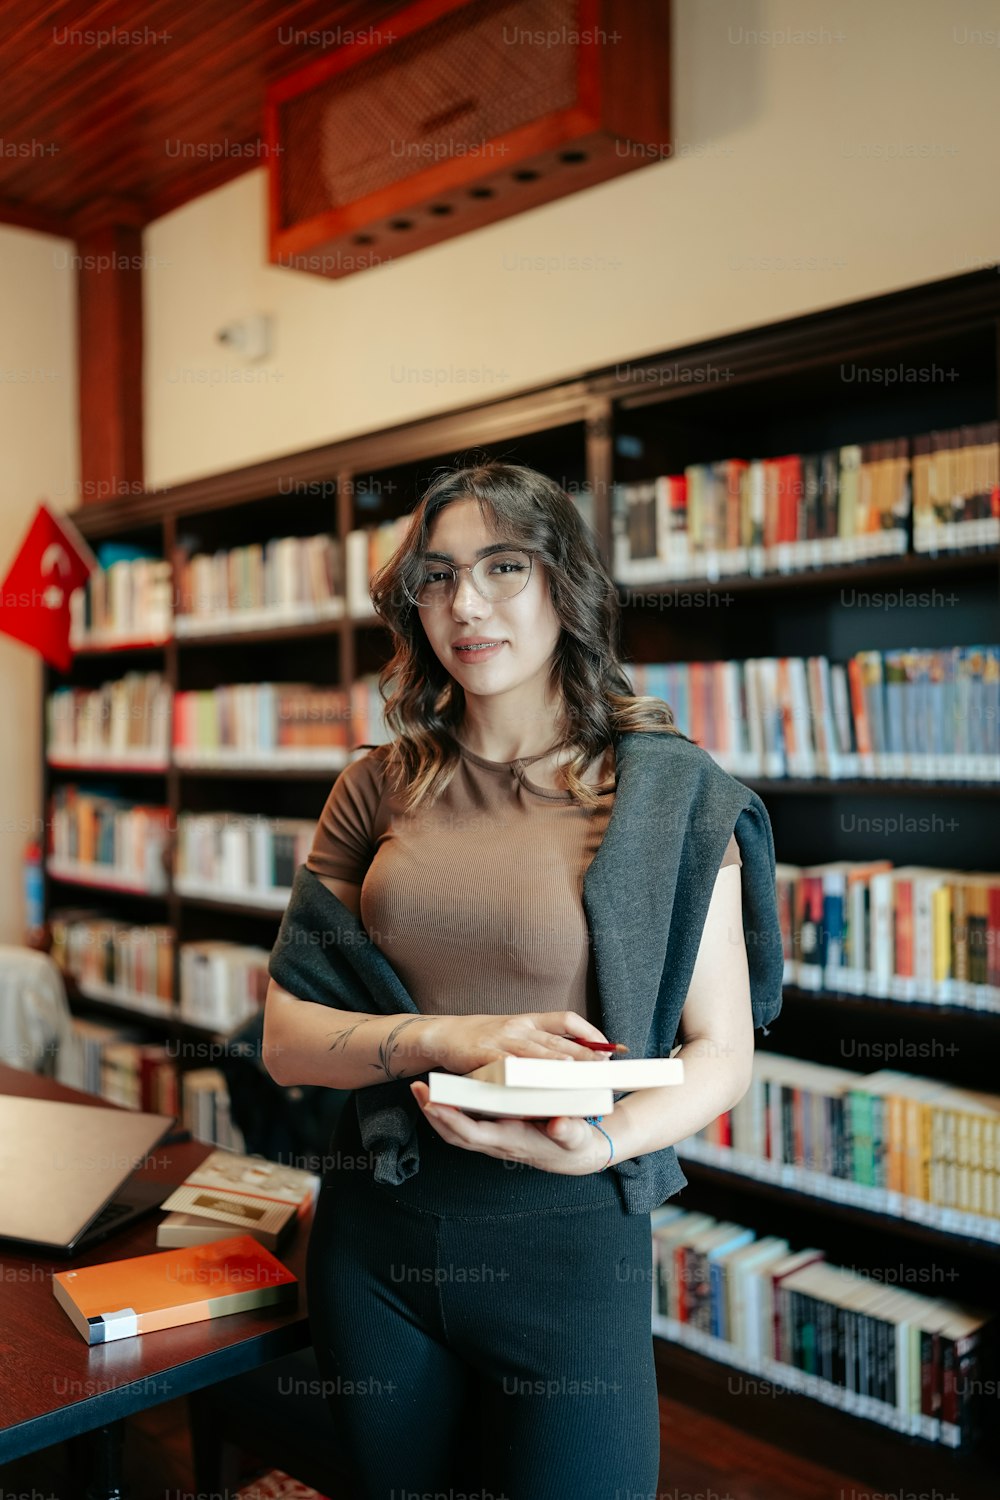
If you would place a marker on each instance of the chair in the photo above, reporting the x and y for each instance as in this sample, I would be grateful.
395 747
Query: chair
35 1018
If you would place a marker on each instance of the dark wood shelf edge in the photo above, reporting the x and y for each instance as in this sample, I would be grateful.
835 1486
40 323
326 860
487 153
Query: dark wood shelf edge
272 773
82 884
895 1010
865 1218
815 786
879 569
305 631
113 1010
240 907
799 1424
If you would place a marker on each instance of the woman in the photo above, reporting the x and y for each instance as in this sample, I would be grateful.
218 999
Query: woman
484 1325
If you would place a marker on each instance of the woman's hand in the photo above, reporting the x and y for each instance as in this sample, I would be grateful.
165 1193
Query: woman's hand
564 1143
461 1043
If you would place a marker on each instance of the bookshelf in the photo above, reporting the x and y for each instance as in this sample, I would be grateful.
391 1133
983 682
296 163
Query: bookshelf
793 387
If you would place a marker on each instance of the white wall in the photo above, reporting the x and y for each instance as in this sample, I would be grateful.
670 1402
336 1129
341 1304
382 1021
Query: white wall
856 140
38 441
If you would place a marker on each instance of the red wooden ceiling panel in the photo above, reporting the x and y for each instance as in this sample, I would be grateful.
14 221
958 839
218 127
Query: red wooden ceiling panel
153 120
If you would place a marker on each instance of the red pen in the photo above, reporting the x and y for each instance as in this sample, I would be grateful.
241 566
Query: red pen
600 1046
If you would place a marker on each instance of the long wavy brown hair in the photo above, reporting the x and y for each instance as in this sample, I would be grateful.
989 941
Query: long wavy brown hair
424 705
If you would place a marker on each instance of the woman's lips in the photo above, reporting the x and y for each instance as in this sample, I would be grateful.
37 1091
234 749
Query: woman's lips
481 653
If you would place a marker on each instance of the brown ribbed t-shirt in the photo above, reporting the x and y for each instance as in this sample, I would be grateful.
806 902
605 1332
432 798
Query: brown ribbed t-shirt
477 901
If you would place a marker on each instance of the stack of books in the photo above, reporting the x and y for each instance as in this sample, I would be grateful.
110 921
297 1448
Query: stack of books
234 1194
287 723
537 1088
104 838
126 722
911 713
912 1362
287 580
908 933
889 1141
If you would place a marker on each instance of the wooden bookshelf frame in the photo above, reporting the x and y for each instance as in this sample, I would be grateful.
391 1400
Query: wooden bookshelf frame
593 402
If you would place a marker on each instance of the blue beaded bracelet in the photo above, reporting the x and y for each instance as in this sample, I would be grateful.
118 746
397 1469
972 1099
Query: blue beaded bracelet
596 1120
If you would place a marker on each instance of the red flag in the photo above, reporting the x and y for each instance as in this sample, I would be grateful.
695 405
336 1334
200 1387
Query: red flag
53 561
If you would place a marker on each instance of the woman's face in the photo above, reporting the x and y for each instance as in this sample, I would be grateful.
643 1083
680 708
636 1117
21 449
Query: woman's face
527 624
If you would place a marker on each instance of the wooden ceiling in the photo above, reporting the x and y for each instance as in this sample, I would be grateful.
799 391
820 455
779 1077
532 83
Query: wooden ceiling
135 106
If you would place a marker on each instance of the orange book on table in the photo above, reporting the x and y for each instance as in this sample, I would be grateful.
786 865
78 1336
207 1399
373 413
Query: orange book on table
120 1298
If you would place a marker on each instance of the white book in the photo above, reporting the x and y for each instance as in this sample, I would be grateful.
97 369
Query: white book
358 573
497 1101
755 726
803 763
620 1074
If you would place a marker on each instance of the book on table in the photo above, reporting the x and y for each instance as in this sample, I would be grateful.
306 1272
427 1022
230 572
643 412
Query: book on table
229 1194
120 1298
540 1088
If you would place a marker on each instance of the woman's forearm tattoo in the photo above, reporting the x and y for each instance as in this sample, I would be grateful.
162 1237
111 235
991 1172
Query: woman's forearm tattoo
388 1047
341 1038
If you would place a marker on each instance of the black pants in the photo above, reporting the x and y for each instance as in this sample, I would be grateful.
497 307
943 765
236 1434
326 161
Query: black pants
484 1329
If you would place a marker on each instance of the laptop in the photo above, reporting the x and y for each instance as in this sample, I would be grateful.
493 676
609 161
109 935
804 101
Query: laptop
65 1170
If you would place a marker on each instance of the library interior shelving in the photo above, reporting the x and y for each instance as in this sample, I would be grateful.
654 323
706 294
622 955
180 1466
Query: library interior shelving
806 386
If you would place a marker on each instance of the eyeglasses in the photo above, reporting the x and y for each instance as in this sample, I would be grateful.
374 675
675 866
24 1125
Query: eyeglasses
499 576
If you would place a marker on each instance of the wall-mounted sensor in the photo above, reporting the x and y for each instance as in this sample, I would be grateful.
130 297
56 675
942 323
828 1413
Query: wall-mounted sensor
250 337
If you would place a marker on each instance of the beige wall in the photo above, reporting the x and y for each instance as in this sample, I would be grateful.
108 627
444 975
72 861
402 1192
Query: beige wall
38 442
867 157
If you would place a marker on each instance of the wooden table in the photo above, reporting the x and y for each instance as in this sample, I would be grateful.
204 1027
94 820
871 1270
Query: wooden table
53 1386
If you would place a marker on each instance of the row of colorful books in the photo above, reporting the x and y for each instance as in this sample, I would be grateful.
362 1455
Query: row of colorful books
903 714
98 834
127 963
222 983
956 488
283 580
135 722
138 595
291 720
368 726
793 1322
205 1109
126 720
101 838
907 933
366 549
911 713
129 597
118 1064
814 510
888 1141
228 855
